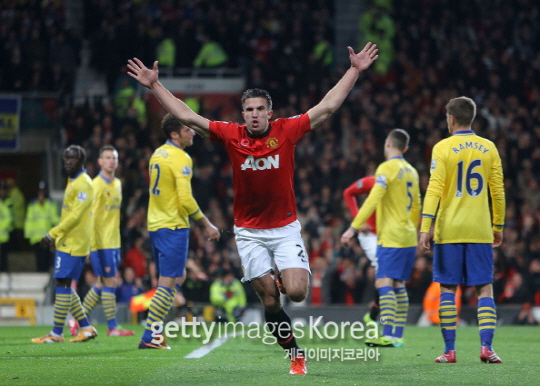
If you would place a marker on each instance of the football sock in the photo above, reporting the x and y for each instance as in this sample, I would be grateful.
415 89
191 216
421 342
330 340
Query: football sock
108 298
159 308
387 303
77 310
92 298
402 308
61 307
487 320
279 325
374 311
448 317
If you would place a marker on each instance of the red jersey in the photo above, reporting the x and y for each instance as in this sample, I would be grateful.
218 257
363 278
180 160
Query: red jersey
357 188
263 170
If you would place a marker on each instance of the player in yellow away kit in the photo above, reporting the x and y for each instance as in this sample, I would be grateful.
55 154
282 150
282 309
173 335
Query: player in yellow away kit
463 167
72 241
396 196
105 255
169 210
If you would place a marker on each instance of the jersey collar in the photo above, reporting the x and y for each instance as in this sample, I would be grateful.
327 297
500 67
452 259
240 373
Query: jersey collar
169 142
78 174
105 178
397 157
464 132
265 134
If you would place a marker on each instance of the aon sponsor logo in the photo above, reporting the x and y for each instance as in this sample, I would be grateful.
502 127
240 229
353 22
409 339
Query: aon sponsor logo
261 163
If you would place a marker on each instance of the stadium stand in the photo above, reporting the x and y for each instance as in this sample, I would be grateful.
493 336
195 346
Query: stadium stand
443 49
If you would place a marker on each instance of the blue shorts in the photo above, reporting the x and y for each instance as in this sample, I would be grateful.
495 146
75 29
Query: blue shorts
464 263
67 266
105 261
170 250
395 263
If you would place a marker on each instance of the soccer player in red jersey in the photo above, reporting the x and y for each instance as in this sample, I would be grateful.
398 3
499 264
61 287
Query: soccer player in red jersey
367 235
262 157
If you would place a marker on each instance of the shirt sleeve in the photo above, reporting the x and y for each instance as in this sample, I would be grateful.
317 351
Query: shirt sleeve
219 130
81 203
375 195
183 190
416 204
296 126
96 202
357 188
496 187
435 189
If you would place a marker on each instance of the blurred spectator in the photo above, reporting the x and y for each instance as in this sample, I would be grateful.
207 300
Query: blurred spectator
227 293
211 54
129 286
6 225
515 290
136 258
525 316
41 215
18 207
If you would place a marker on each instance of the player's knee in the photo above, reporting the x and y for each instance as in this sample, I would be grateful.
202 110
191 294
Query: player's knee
297 294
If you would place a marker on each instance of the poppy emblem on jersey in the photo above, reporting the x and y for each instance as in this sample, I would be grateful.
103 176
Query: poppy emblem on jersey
244 142
186 171
272 143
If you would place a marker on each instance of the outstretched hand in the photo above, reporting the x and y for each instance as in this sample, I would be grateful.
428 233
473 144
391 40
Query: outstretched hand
143 74
364 58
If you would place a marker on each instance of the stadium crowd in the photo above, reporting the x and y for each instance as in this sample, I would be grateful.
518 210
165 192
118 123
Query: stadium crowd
487 50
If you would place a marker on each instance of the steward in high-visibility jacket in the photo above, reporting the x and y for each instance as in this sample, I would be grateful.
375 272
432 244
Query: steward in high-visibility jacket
41 215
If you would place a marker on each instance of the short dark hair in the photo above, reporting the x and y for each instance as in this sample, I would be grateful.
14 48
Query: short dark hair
170 124
81 153
256 93
463 109
107 148
399 139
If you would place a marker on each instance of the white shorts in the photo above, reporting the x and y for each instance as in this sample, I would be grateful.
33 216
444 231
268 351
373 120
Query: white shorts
368 242
259 249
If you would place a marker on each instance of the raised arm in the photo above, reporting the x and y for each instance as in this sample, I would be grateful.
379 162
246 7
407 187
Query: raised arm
335 97
149 79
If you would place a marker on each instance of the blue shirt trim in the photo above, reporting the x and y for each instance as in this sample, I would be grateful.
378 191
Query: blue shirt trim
464 132
169 142
105 178
78 174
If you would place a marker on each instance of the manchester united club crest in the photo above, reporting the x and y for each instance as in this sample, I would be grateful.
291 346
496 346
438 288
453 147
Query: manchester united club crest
272 143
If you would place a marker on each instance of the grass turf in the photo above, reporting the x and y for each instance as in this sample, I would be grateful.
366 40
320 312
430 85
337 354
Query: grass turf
245 361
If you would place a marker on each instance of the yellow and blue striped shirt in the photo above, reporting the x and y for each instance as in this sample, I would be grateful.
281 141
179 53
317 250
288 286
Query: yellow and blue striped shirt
106 211
463 167
171 200
396 196
74 232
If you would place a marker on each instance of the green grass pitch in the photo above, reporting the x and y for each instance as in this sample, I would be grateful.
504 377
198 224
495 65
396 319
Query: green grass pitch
247 361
